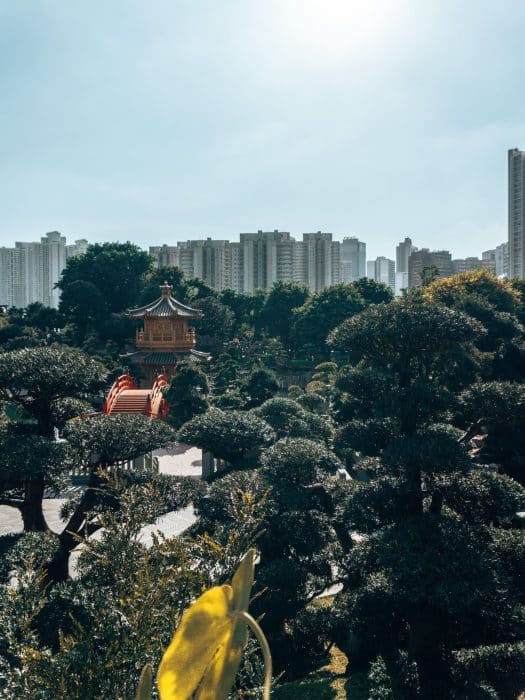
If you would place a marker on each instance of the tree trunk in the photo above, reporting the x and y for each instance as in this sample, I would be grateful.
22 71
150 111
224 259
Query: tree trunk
427 647
58 568
434 674
46 427
32 513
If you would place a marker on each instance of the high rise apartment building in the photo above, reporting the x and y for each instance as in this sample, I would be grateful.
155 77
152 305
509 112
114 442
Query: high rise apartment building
9 276
401 283
488 260
352 259
424 258
321 261
403 251
502 260
52 262
262 258
261 253
77 248
383 270
207 259
466 264
30 271
516 198
165 255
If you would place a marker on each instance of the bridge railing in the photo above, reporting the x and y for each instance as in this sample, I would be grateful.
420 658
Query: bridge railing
158 406
125 381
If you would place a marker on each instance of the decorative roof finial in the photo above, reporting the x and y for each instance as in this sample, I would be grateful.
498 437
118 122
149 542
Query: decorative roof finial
166 289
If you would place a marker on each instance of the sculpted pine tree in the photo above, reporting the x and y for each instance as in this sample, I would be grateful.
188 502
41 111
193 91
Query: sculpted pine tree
498 305
37 380
236 437
298 550
495 413
43 384
99 442
296 542
289 419
186 395
433 576
260 386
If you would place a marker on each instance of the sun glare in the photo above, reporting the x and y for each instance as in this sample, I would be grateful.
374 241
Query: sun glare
335 30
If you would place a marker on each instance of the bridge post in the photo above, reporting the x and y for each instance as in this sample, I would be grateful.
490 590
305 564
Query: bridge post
208 464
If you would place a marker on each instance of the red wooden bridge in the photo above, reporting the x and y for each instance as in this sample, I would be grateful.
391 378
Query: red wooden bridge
125 397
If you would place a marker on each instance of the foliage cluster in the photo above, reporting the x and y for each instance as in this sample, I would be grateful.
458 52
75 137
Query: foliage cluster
395 476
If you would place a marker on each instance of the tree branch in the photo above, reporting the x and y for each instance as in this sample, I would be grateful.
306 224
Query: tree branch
472 431
11 502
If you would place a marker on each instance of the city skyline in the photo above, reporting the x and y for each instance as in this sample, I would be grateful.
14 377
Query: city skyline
176 121
29 271
391 253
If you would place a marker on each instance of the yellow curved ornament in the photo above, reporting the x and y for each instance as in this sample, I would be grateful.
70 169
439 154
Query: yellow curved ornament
204 655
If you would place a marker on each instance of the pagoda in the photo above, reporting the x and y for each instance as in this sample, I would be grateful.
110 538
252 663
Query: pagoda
165 338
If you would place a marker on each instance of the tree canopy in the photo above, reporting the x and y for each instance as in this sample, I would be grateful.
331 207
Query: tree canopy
187 392
229 435
276 315
417 541
215 327
36 380
497 304
116 270
323 311
425 575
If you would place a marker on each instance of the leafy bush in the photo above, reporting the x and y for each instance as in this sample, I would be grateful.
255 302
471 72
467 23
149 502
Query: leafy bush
500 667
229 435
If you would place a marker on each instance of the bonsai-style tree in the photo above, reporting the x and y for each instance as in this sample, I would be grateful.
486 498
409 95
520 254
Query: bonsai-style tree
497 304
233 436
494 412
226 370
98 443
187 392
37 380
292 491
289 419
426 581
260 386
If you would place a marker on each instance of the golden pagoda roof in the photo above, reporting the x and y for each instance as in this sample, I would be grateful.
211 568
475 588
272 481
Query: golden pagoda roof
165 306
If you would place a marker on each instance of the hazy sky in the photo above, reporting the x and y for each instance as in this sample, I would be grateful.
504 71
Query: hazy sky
158 121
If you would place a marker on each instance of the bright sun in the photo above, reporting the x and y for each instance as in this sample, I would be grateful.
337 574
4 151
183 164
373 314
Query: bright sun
331 31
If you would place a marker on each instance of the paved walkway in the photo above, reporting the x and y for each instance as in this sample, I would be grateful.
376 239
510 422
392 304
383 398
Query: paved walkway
179 460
